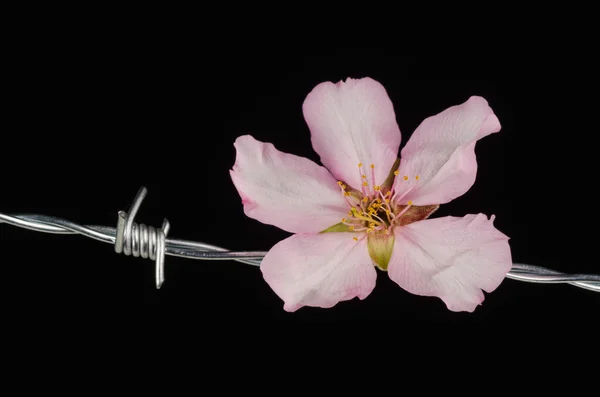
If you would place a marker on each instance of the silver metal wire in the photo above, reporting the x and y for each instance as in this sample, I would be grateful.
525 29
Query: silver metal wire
135 239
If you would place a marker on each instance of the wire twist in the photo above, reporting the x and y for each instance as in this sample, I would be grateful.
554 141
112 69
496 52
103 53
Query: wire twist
137 240
141 240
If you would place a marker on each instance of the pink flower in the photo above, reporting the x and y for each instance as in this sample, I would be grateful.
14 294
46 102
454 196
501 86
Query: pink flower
364 211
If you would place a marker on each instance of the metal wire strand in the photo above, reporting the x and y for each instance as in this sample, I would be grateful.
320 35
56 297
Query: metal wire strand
135 239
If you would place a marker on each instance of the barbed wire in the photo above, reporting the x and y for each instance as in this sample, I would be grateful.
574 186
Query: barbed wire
135 239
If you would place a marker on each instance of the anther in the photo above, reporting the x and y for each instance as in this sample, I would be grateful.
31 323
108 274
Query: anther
377 187
372 165
417 177
365 184
359 165
405 177
410 203
355 238
396 172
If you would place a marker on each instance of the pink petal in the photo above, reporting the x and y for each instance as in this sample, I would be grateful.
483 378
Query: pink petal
441 152
353 122
284 190
319 270
451 258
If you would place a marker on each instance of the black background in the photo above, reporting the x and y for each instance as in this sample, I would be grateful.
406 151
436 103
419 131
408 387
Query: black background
88 119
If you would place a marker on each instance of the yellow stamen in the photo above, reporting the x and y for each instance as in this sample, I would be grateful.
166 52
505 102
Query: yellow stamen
372 165
346 194
376 187
405 178
364 176
340 183
396 172
365 199
387 201
417 177
359 165
371 224
351 228
355 238
365 184
343 219
410 203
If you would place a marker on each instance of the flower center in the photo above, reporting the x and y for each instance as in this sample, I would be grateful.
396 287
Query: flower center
374 209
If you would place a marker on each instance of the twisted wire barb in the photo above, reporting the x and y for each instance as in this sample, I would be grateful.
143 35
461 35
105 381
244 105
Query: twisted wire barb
135 239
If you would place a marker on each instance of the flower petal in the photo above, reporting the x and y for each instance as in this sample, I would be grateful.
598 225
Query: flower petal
353 122
284 190
319 270
441 152
451 258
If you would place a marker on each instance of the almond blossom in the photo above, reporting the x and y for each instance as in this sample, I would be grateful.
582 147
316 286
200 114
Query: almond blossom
367 209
